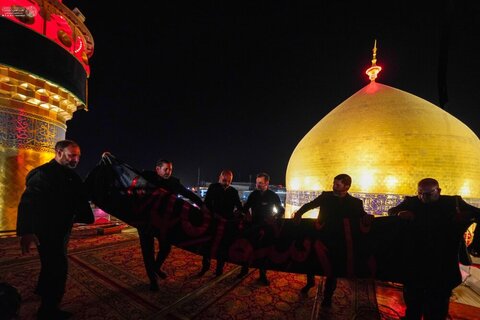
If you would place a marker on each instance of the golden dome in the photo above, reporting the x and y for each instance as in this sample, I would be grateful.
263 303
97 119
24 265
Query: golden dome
386 140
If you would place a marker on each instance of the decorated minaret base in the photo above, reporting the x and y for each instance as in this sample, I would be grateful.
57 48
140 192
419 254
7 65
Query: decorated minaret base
43 81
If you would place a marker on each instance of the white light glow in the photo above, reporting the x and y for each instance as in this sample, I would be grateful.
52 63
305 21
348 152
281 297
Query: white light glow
367 178
295 184
391 182
465 189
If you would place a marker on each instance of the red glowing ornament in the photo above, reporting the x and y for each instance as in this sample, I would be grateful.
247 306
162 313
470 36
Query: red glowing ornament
48 20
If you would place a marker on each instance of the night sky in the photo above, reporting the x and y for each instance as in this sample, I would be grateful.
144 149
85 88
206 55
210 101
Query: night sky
210 85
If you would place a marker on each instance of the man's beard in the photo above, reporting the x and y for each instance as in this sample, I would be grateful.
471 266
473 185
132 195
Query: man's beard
72 165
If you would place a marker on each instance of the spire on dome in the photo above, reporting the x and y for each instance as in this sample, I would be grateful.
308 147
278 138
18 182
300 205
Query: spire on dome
374 69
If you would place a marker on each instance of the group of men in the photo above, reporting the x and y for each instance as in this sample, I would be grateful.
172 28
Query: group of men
55 198
223 201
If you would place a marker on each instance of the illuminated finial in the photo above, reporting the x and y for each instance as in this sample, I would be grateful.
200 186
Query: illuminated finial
374 69
374 50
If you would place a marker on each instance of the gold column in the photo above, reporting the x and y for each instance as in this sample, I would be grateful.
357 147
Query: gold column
33 115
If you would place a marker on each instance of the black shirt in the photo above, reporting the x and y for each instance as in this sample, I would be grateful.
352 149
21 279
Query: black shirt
173 185
263 205
432 238
222 201
334 208
54 198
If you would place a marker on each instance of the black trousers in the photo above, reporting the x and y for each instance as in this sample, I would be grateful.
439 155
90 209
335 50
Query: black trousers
54 268
430 303
228 234
147 244
330 285
261 235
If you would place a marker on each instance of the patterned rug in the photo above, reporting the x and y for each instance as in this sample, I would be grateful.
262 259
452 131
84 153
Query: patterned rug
10 246
107 280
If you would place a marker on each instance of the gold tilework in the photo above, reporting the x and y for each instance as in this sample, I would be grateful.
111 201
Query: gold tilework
31 94
14 166
33 115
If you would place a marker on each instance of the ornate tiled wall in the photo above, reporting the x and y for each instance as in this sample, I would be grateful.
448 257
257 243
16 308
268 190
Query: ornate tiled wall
26 141
27 131
377 204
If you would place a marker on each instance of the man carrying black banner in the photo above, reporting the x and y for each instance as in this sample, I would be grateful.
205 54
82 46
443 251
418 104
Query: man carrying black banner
335 206
54 198
162 177
221 199
266 207
434 228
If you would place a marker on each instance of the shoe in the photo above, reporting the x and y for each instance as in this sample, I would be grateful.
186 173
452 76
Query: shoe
53 314
264 281
153 286
307 287
326 302
161 274
202 271
219 268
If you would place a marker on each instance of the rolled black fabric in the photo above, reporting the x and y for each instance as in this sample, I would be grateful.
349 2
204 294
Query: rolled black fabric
354 250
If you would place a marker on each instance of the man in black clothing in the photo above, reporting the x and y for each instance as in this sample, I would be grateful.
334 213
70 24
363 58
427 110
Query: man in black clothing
54 198
335 206
434 228
266 207
162 177
221 199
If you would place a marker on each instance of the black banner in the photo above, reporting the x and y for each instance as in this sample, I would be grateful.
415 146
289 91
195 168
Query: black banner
354 250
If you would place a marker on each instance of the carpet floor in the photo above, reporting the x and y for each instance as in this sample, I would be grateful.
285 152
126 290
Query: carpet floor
107 280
